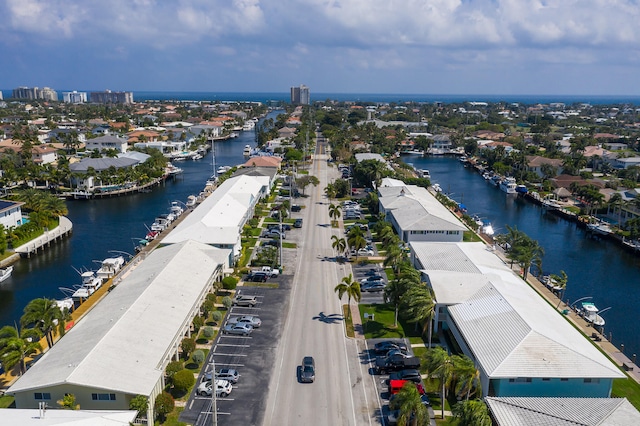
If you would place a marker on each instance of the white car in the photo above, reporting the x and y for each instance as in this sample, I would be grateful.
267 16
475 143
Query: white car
223 388
241 329
252 320
363 252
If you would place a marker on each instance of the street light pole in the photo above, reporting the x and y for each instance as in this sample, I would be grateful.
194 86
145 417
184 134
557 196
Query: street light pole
214 405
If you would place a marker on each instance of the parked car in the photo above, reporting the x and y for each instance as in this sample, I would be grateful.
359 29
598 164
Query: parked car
295 208
297 223
308 370
241 300
371 271
239 329
410 374
228 374
223 388
274 233
387 345
372 277
258 277
252 320
274 243
373 287
278 227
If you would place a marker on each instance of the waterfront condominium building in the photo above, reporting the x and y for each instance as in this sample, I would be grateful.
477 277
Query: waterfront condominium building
74 97
300 95
45 93
109 97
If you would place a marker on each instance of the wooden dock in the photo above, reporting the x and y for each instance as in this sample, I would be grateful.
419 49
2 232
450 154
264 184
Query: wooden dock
32 247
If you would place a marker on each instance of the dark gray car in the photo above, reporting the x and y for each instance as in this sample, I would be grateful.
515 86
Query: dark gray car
308 370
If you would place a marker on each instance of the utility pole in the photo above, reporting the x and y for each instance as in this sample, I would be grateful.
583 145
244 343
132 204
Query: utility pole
214 406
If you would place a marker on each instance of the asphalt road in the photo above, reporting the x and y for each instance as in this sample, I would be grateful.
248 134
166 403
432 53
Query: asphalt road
343 392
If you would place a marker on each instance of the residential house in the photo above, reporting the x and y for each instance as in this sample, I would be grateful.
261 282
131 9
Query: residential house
43 154
107 142
535 164
11 213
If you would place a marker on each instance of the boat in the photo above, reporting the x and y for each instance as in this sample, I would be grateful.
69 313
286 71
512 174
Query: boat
90 283
247 151
176 209
423 173
110 267
495 179
151 235
249 125
487 229
599 227
196 156
66 303
191 201
5 273
521 189
436 187
550 204
590 314
223 169
508 185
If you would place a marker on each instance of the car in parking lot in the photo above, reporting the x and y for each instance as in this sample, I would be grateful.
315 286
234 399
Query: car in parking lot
372 277
228 374
257 277
297 223
274 243
410 374
371 271
252 320
274 233
388 345
241 300
373 287
223 388
371 280
295 208
396 385
308 370
240 329
278 227
363 252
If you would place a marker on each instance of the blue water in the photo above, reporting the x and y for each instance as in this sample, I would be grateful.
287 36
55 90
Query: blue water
104 226
595 268
375 97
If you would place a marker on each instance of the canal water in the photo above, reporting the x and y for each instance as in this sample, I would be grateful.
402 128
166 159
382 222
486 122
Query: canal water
107 227
595 268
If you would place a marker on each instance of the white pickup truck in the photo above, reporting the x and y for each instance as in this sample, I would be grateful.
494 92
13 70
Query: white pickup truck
271 272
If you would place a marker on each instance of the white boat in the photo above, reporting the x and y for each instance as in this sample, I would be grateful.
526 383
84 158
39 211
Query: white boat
248 126
436 187
550 204
5 273
66 303
176 209
90 283
423 173
110 267
247 151
495 179
508 185
487 229
196 156
223 169
191 201
599 227
590 313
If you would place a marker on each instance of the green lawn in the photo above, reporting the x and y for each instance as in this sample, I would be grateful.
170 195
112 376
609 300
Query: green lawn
470 237
289 245
172 418
6 401
382 326
628 388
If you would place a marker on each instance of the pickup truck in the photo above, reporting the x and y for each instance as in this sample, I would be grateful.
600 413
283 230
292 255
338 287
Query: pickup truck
396 362
271 272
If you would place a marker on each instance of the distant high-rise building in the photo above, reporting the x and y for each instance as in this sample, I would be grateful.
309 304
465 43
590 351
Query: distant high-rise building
300 95
109 97
0 95
74 97
45 93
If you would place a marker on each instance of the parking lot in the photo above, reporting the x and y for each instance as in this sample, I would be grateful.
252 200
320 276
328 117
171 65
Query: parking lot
252 356
363 271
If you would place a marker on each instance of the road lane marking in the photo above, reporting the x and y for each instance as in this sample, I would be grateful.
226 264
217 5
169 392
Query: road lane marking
223 354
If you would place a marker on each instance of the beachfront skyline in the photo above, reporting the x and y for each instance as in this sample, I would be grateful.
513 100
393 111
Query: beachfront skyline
354 46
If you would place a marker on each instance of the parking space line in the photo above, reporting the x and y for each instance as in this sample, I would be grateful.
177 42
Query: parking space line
223 354
230 364
231 336
232 345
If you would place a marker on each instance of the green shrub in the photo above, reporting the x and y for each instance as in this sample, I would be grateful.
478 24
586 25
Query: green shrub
172 368
208 332
183 380
198 356
229 283
211 297
164 405
216 316
207 306
198 322
188 345
140 403
227 302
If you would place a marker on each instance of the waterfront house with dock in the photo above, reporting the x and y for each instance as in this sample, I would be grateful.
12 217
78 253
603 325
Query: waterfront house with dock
521 345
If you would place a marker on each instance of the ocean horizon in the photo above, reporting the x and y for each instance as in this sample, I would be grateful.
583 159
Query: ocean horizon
374 97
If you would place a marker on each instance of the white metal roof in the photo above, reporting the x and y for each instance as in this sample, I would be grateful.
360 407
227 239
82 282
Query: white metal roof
511 330
220 217
414 208
523 411
132 330
29 417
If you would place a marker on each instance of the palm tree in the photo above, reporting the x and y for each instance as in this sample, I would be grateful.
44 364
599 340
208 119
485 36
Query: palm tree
467 376
338 244
560 281
418 307
334 212
471 413
396 289
43 315
351 288
16 346
409 403
330 191
395 256
356 240
439 365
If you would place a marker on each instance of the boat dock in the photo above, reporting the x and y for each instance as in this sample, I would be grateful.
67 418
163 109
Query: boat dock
62 230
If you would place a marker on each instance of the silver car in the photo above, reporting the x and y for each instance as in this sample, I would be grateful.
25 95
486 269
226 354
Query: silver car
252 320
241 329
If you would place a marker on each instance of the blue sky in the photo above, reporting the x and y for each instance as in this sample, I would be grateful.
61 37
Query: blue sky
581 47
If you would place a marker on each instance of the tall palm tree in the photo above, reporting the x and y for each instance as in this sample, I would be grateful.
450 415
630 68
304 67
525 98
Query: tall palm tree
334 212
394 257
330 191
351 288
396 289
439 365
44 315
356 240
560 282
338 244
467 376
409 402
471 413
417 306
16 345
